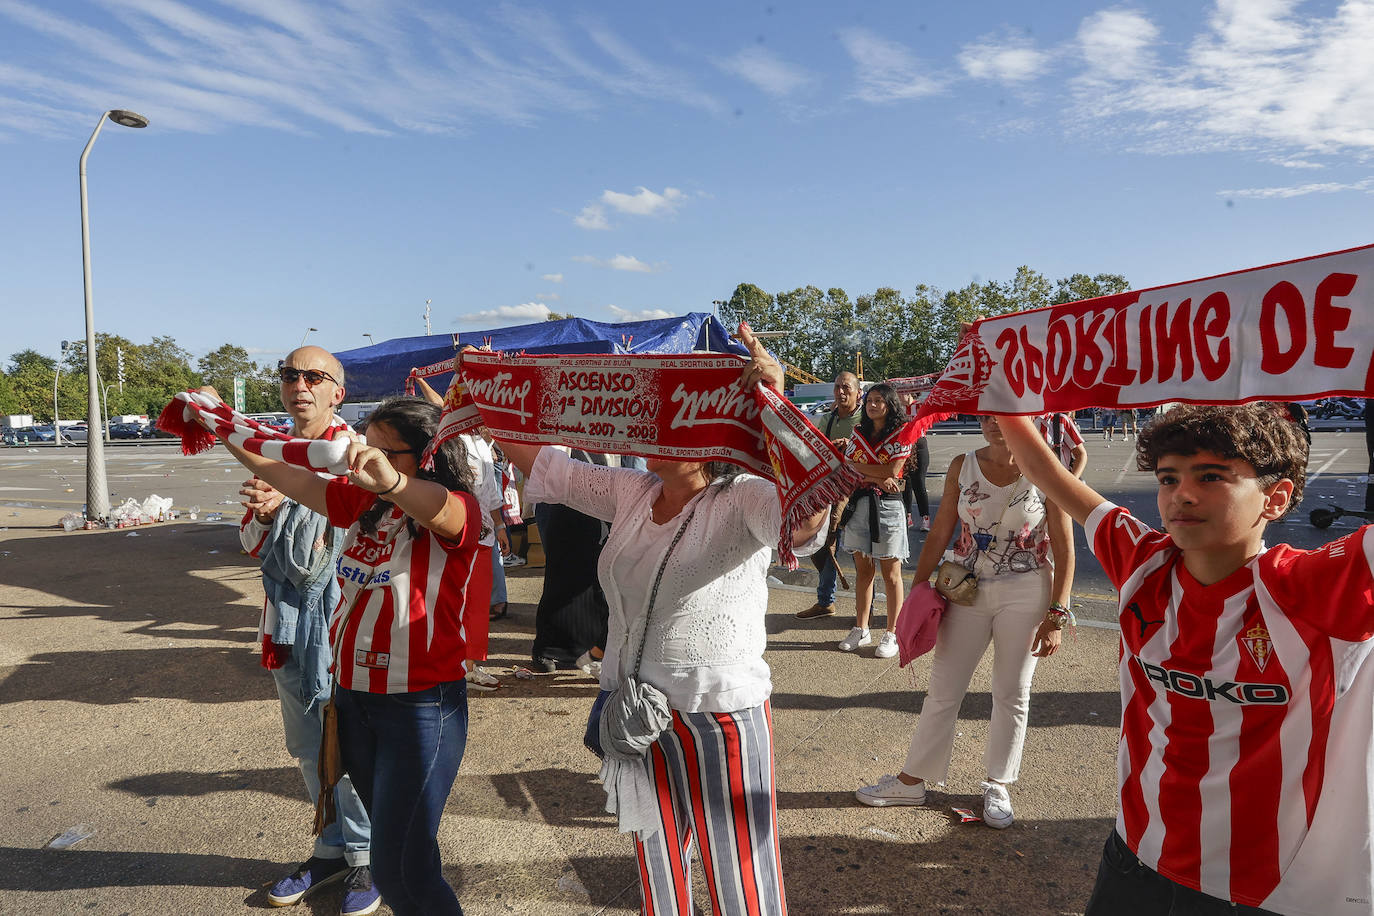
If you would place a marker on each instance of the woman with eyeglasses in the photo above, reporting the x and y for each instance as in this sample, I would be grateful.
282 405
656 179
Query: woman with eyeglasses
400 632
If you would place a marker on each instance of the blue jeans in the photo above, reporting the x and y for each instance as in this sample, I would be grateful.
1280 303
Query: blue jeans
1128 887
498 576
351 833
403 751
825 591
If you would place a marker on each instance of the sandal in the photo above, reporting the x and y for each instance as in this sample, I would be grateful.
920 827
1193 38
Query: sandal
501 614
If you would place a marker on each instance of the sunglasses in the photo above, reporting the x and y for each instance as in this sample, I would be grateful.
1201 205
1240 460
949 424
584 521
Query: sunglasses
313 377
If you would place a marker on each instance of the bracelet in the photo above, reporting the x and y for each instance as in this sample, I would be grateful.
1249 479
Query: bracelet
1058 616
399 478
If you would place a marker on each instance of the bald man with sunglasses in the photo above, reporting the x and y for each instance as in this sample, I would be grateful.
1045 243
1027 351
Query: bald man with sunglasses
299 550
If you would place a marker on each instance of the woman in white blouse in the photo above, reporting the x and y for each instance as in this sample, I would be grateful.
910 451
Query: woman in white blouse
711 771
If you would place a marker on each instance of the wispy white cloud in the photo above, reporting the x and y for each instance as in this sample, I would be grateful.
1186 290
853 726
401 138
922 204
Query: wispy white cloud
552 278
548 297
642 202
1014 59
527 311
619 262
1117 43
1293 162
886 70
1301 190
359 66
593 216
768 73
1262 75
620 314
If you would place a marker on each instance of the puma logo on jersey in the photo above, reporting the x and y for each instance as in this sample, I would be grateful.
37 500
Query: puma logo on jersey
1145 625
1204 688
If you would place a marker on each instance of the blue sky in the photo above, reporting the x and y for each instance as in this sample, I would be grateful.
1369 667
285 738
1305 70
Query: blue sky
336 163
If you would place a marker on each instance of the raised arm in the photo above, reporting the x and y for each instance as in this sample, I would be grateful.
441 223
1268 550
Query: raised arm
426 390
428 502
305 487
521 454
1046 471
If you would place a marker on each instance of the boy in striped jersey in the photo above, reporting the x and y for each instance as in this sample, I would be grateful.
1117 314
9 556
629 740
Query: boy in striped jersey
1246 734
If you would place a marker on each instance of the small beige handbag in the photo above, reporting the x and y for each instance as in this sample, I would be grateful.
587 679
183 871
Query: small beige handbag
956 582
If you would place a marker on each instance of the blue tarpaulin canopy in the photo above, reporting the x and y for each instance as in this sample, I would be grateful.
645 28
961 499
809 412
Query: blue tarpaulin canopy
380 371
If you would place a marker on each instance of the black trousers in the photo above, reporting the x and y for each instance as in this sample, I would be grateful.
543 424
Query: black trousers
1128 887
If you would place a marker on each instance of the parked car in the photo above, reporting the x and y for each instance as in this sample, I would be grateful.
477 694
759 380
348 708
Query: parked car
128 431
42 433
280 422
75 433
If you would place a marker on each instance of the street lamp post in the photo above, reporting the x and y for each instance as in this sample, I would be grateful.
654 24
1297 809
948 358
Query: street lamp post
307 334
97 488
57 374
370 341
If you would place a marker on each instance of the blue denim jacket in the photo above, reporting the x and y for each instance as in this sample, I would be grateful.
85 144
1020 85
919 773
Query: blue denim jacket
299 581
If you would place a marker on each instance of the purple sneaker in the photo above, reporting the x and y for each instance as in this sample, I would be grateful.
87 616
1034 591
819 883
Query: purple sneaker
360 897
315 872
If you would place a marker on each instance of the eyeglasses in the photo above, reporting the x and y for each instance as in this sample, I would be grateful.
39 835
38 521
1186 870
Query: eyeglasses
313 377
393 452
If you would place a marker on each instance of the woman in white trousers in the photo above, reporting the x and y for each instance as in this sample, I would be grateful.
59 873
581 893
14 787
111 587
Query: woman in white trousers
1024 567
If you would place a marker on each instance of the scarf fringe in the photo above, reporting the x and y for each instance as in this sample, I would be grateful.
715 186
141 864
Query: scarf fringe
823 494
177 419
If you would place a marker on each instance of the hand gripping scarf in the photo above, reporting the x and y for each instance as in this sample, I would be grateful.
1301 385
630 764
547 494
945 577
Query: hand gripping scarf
179 419
688 408
1288 332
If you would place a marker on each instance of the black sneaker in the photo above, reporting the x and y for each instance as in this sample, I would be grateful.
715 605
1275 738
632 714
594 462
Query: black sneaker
314 872
360 897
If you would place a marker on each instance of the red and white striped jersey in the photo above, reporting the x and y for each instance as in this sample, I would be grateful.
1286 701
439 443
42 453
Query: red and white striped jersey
1247 740
1068 436
413 627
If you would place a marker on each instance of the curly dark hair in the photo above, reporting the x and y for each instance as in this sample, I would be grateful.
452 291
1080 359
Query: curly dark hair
1262 433
416 421
896 413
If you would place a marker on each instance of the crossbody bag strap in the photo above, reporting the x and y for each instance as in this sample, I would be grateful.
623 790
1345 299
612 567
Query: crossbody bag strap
653 593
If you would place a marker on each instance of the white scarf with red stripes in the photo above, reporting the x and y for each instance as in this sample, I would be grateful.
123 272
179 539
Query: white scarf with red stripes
180 419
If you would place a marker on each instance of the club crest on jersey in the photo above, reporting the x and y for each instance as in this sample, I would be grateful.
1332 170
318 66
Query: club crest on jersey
1257 642
365 659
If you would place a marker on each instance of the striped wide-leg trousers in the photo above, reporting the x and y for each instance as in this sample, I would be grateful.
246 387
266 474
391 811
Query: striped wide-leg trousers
713 776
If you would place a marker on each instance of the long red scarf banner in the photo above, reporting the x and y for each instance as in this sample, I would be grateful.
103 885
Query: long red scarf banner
1291 331
687 408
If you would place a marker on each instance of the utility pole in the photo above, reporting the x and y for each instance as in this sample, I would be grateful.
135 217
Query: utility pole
427 302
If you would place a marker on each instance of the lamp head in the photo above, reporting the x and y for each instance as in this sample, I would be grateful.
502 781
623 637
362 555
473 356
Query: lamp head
128 118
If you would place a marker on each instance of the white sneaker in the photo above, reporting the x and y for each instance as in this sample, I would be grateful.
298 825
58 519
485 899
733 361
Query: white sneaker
857 637
892 791
480 678
887 646
513 560
925 523
997 812
589 665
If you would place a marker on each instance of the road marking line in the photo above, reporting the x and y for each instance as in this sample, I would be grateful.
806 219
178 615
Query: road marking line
1129 465
1321 470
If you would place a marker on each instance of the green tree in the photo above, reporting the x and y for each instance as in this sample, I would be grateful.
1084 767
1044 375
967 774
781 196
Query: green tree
229 361
1077 287
748 303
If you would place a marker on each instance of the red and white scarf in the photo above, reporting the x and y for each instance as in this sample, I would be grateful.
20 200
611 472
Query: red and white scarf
1291 331
179 419
688 408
